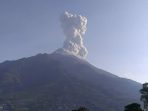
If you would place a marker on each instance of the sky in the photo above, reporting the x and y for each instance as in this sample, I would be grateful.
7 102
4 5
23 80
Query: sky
116 36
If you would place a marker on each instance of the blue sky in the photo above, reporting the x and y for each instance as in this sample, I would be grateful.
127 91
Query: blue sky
116 39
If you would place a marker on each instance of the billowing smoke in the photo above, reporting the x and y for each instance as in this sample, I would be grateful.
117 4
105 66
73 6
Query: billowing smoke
74 27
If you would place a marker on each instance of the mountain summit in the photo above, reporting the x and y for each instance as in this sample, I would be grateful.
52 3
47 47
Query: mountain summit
62 82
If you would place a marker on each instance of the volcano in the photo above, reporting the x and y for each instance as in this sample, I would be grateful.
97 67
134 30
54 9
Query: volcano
61 82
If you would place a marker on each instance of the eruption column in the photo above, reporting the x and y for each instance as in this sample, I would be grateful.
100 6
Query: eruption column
74 27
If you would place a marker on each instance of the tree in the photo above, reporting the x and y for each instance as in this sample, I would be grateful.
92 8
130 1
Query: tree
133 107
81 109
144 96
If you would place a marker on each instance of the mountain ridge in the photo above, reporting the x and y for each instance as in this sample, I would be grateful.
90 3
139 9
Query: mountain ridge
62 82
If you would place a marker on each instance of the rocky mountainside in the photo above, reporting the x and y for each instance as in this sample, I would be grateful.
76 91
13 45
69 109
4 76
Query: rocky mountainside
62 82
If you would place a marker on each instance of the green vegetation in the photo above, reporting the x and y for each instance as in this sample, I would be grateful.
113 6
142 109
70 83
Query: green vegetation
133 107
81 109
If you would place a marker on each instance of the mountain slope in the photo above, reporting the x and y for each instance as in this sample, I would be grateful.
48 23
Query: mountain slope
60 82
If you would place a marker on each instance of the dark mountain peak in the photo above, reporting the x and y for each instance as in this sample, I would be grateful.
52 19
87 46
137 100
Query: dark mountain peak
62 81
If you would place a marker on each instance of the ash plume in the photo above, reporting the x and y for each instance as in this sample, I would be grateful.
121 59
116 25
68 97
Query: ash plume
74 27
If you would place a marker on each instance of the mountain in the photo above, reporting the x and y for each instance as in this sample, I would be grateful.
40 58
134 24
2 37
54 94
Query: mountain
62 82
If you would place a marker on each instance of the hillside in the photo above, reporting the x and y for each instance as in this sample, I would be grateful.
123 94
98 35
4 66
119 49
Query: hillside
63 82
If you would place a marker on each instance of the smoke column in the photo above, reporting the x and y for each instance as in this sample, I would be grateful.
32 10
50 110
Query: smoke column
74 27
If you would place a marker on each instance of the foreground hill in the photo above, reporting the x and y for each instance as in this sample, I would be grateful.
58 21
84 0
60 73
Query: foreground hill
62 82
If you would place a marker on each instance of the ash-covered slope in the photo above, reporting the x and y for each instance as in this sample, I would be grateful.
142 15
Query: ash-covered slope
62 82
